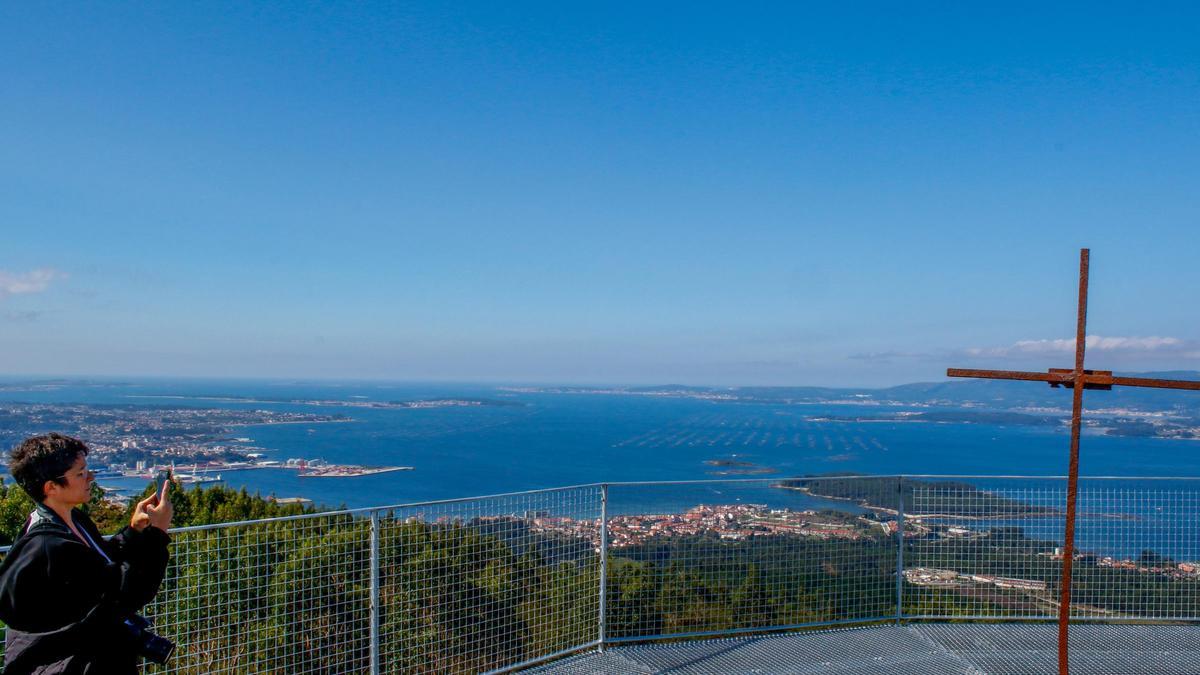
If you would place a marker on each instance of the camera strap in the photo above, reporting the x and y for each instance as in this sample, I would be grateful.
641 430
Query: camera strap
84 532
42 514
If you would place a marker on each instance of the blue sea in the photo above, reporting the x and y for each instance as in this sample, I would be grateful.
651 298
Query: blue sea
559 439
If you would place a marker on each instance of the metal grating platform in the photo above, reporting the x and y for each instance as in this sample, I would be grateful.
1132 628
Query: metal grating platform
919 649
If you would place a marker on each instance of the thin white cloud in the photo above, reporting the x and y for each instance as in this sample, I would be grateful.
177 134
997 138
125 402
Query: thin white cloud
1095 343
889 356
34 281
25 315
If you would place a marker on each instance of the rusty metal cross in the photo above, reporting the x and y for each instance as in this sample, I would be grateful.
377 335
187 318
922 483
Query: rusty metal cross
1077 379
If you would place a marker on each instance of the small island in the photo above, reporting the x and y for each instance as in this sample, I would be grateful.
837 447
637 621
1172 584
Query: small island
737 467
348 471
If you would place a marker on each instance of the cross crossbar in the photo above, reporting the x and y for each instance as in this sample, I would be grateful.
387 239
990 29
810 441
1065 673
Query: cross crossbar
1092 379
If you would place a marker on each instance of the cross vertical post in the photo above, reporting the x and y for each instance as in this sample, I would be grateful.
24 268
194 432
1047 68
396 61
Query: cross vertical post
1064 607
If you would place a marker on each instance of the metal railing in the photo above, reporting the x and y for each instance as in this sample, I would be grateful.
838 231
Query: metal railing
1137 547
467 585
722 557
494 584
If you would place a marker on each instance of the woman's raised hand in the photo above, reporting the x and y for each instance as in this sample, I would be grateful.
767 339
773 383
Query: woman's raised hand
160 510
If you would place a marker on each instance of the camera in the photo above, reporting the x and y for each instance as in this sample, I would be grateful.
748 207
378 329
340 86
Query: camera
153 647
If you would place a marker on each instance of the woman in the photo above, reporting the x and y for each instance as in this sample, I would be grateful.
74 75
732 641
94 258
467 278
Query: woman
65 592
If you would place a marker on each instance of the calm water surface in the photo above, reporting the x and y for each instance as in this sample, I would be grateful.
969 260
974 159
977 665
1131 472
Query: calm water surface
564 439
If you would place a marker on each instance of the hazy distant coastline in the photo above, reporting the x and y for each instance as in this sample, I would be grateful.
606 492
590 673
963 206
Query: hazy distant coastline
1130 412
334 403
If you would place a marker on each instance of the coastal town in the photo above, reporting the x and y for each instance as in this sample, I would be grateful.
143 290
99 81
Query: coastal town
736 522
208 472
127 434
196 445
726 521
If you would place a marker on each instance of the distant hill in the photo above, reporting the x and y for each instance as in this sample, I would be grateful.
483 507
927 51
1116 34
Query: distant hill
993 394
669 388
1009 393
1002 394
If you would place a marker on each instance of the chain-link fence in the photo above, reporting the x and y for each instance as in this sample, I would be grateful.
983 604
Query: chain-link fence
460 586
993 548
498 583
714 557
484 584
286 595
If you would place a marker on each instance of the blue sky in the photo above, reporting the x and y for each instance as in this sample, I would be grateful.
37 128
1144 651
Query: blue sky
617 193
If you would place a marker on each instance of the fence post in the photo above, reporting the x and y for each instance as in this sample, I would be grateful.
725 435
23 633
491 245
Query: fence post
374 608
899 549
603 628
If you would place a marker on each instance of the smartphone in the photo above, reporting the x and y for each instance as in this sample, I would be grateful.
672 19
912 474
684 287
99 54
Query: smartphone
161 480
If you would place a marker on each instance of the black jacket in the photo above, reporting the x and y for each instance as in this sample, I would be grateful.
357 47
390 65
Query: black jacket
65 604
